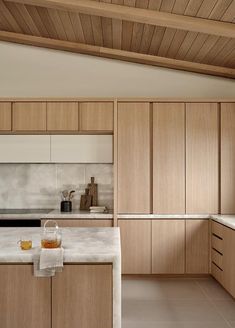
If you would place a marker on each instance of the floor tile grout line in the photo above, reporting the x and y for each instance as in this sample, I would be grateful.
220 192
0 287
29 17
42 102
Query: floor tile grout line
213 304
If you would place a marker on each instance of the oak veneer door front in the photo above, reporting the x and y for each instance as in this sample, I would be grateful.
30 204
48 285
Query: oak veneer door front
136 246
202 158
133 158
169 158
25 301
96 116
5 116
197 246
228 158
62 116
168 246
82 296
29 116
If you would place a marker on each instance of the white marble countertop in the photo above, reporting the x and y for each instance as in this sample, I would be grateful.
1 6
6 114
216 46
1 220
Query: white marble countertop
226 220
76 214
55 214
81 245
164 216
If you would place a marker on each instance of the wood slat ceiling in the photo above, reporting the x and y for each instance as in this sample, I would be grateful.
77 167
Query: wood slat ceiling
184 47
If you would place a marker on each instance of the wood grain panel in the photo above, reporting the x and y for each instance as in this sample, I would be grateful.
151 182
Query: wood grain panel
202 158
168 246
82 223
168 158
25 301
29 116
38 21
55 17
227 158
82 297
229 260
133 158
96 116
6 13
5 116
197 246
62 116
136 246
77 26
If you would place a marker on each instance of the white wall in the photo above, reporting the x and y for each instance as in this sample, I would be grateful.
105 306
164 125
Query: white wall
35 72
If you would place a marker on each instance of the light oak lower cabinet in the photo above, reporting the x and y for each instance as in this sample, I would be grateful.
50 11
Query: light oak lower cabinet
82 297
79 223
5 116
136 246
25 301
168 246
197 246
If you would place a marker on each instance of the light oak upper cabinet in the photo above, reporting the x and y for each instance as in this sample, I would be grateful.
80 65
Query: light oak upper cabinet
96 116
133 158
5 116
136 246
197 246
228 158
62 116
168 246
168 158
25 301
202 158
29 116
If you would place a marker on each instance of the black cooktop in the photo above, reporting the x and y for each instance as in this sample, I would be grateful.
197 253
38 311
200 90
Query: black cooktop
25 211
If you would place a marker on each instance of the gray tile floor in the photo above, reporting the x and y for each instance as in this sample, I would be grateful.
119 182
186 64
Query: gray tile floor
152 302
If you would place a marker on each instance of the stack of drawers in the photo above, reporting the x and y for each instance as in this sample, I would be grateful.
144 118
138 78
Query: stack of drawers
217 251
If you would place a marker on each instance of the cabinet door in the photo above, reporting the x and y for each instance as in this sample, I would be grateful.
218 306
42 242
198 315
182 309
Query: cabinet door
229 260
62 116
228 158
96 116
133 158
168 246
5 116
82 149
82 223
25 301
82 297
29 116
169 158
202 158
136 246
24 149
197 246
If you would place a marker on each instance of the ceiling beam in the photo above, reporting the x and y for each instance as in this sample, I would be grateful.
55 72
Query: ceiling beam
116 54
145 16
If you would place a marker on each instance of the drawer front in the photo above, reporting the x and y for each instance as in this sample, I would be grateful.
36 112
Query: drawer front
217 229
217 273
217 258
217 243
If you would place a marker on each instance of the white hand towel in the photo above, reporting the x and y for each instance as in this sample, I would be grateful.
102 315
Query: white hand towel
48 261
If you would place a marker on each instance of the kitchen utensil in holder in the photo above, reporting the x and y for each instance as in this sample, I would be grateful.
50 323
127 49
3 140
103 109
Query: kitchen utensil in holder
66 206
51 236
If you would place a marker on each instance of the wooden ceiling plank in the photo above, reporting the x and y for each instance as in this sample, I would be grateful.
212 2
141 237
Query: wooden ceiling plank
4 25
97 30
107 28
77 26
28 19
156 40
68 27
127 28
220 9
207 46
55 17
9 17
138 28
229 60
149 30
44 14
229 13
116 54
37 19
19 19
139 15
227 49
196 46
87 28
180 6
117 28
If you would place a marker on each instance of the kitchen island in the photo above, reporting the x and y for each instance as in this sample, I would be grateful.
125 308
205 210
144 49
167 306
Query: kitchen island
86 294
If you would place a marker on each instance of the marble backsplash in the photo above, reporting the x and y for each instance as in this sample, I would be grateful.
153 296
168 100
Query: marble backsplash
40 185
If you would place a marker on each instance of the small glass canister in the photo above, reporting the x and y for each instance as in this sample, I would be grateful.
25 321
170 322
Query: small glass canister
51 236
